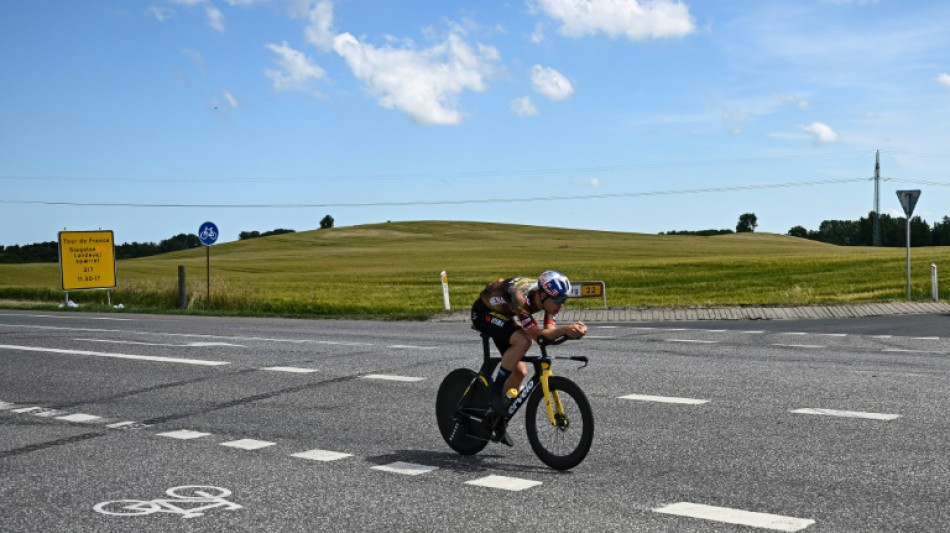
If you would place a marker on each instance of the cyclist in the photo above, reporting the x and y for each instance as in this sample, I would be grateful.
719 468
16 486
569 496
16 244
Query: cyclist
504 312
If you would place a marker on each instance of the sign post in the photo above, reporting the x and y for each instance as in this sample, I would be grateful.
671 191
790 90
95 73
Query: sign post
87 261
908 201
208 234
933 282
445 289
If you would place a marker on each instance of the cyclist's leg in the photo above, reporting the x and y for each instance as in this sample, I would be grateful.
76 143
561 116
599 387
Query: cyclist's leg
511 360
511 341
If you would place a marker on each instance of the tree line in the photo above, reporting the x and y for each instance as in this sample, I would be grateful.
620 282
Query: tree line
48 252
747 224
893 231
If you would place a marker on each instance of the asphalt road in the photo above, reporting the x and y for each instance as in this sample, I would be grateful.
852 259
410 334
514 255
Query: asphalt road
303 425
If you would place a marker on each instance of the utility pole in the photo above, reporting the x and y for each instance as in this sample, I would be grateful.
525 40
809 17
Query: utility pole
876 223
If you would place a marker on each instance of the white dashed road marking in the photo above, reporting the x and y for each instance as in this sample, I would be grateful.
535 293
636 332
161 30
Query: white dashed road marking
846 414
291 369
392 378
663 399
49 413
504 482
184 434
139 343
406 469
411 347
807 346
736 516
115 355
127 424
248 444
321 455
694 341
79 417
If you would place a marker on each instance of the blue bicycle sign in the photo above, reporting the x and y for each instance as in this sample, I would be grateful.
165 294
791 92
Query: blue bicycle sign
208 233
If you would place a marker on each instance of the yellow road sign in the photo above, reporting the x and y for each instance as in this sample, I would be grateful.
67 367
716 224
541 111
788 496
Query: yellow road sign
588 289
86 260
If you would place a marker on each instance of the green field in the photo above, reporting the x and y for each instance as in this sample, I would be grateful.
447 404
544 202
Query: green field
392 270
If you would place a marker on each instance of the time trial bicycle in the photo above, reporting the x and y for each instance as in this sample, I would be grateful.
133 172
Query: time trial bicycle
561 432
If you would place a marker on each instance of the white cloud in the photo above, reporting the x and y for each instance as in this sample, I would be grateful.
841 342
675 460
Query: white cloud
160 13
297 72
589 182
523 107
230 99
944 79
633 19
550 83
195 56
319 31
215 18
821 133
537 35
421 83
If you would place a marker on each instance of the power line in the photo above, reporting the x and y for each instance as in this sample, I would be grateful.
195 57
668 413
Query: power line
604 196
920 182
447 175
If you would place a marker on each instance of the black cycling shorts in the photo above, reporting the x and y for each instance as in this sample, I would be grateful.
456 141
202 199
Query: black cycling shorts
496 325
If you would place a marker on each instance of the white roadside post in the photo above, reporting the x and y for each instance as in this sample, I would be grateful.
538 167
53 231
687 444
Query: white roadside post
445 289
933 282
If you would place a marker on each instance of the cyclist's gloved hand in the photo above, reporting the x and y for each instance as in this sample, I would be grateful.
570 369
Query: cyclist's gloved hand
577 330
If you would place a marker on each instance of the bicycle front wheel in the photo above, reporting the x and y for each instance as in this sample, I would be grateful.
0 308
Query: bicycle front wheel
563 443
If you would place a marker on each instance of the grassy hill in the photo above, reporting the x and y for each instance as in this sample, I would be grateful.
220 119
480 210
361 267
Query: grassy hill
392 270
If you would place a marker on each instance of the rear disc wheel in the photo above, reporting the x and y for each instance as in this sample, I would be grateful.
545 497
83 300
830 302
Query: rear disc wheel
462 434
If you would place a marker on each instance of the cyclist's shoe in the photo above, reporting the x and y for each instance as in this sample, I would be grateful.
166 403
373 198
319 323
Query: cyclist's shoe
499 405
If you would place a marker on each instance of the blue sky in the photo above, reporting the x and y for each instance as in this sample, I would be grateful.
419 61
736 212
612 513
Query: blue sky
149 118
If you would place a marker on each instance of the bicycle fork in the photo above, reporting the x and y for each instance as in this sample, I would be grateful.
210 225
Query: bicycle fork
551 398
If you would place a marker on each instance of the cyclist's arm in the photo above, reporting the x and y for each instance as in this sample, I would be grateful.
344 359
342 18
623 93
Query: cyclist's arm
551 331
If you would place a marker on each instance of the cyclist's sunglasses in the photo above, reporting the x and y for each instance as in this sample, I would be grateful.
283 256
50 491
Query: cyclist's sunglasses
560 300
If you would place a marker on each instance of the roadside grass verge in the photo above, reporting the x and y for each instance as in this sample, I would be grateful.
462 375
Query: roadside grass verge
392 271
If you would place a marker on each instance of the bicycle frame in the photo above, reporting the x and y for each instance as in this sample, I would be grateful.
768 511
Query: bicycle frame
542 373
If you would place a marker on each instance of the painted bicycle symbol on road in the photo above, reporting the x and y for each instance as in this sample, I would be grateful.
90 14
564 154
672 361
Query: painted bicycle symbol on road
190 501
